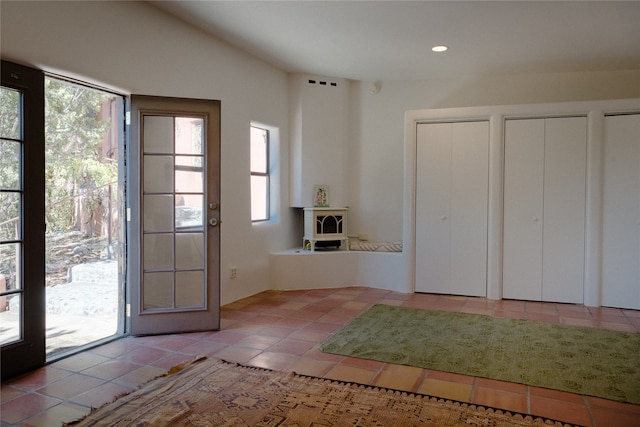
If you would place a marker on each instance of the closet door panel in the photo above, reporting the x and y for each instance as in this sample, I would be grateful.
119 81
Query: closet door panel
469 189
621 217
523 202
433 199
564 209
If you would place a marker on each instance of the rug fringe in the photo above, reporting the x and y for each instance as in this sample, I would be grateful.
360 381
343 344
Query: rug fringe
180 366
429 398
436 399
172 371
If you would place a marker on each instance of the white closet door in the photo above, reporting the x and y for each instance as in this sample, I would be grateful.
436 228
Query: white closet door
451 208
621 230
564 209
544 209
469 189
433 194
523 202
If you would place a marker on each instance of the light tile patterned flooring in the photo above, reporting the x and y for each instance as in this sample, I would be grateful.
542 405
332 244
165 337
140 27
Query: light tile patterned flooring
281 331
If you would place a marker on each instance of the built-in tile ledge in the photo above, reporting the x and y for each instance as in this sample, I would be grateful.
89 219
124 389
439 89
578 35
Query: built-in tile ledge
302 269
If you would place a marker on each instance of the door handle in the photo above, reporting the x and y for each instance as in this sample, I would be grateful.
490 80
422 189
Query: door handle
213 222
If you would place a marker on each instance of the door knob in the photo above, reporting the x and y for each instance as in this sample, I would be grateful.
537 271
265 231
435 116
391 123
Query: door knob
213 222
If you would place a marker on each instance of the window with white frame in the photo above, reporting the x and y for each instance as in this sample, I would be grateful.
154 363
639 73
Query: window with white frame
260 179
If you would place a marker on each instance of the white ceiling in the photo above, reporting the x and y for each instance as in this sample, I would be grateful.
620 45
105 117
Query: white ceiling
392 40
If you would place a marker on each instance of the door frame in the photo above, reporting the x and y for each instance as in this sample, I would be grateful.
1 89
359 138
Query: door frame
188 320
29 352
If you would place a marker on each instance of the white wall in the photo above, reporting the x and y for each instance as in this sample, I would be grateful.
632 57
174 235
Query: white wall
377 131
135 48
318 137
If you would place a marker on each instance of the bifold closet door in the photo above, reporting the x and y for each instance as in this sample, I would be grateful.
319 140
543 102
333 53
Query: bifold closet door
523 202
621 230
433 195
544 209
564 209
451 208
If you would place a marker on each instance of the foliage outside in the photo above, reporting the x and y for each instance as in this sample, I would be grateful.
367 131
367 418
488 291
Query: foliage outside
74 132
77 171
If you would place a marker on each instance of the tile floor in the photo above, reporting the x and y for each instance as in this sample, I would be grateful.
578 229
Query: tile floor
281 330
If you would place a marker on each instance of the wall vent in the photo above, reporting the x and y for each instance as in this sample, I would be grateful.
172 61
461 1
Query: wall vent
322 83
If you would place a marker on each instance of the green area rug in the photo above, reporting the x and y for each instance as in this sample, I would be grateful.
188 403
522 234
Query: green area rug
578 360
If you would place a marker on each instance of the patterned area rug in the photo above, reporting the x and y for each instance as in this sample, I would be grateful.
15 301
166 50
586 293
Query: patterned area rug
585 361
217 393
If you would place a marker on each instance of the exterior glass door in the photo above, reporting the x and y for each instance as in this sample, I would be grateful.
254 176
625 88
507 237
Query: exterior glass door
173 224
22 224
179 239
11 245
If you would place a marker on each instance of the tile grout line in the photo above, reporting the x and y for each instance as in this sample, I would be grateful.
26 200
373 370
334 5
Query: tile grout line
424 379
588 406
474 386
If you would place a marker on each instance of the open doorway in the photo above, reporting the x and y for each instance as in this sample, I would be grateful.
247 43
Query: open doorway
84 258
62 244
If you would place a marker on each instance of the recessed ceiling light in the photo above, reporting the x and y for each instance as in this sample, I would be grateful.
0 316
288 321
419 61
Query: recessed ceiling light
440 48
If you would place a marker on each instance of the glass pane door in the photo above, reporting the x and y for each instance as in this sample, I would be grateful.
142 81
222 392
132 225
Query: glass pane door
22 323
11 242
179 162
173 222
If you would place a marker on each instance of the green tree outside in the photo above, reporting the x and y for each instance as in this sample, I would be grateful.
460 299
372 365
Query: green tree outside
76 123
74 131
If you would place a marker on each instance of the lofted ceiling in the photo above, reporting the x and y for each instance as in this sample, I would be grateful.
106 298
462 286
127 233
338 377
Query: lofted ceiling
392 40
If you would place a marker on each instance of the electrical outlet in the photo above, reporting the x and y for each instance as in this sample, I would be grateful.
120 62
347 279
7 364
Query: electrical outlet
233 272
